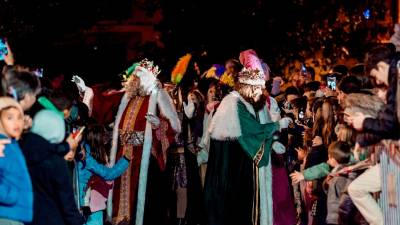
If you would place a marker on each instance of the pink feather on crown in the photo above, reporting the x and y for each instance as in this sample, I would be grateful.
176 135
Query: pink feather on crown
250 60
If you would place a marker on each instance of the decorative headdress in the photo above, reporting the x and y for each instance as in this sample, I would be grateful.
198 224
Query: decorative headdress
253 77
150 66
252 72
180 69
249 59
227 79
146 64
128 72
215 71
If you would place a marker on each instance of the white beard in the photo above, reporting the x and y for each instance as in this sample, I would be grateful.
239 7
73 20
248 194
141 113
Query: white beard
148 82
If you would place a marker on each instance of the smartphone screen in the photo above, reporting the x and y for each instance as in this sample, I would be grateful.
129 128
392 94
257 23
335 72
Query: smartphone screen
79 132
331 82
3 48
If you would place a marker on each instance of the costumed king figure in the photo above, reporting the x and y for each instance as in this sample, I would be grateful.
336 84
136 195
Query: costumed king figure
239 179
145 125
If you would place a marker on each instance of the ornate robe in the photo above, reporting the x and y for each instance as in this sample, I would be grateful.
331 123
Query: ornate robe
239 178
133 133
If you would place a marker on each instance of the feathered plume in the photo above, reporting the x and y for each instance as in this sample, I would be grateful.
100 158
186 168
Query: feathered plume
180 68
215 71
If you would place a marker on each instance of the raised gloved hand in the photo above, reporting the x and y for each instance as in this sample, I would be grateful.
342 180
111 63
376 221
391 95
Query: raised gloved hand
154 120
284 122
189 108
202 157
79 83
278 147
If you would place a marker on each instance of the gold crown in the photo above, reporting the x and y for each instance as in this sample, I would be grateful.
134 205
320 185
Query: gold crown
149 65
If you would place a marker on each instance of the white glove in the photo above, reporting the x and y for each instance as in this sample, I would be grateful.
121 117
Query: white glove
154 120
188 108
202 157
79 83
284 122
278 147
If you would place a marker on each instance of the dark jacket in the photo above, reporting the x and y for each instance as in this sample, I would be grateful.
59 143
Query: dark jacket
317 155
386 125
54 201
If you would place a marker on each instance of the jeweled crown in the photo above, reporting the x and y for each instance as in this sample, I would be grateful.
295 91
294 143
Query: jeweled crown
149 65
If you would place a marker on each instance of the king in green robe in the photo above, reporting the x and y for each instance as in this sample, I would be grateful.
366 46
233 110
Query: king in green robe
238 188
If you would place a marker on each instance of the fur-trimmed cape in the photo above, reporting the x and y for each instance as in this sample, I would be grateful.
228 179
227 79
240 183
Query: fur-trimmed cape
225 124
166 108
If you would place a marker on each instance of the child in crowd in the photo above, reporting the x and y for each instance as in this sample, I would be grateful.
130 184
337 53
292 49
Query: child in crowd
16 197
54 201
94 175
339 154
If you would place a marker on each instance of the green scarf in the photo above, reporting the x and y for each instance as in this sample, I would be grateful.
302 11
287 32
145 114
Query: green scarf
255 135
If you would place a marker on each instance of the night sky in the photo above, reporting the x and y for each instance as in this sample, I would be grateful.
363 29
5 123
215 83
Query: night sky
49 33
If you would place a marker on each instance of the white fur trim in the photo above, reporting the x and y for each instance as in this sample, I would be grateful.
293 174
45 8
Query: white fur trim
225 124
88 99
167 109
144 164
258 82
114 147
220 128
266 206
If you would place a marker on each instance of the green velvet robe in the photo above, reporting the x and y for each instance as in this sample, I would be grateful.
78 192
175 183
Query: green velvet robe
232 182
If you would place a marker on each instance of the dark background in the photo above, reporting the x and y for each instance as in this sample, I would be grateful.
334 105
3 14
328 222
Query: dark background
58 35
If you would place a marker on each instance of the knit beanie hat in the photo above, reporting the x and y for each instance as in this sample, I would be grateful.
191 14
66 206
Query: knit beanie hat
6 102
49 125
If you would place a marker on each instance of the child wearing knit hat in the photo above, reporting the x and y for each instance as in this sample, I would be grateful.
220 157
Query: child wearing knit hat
54 201
16 197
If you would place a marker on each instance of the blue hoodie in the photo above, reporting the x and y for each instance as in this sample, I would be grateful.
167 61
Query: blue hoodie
16 196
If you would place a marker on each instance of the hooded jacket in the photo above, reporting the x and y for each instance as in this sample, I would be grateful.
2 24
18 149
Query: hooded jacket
54 201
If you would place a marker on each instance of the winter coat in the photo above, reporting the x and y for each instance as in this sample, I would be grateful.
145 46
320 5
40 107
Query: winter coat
323 169
54 201
337 185
90 167
16 196
386 124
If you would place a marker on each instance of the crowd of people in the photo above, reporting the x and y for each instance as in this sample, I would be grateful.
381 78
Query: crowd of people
235 144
